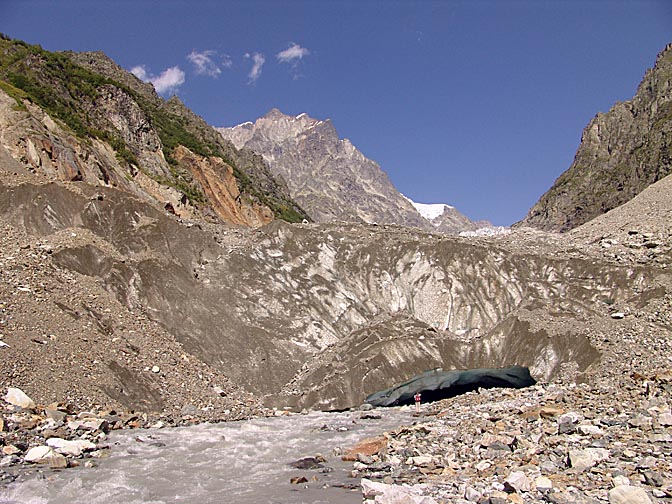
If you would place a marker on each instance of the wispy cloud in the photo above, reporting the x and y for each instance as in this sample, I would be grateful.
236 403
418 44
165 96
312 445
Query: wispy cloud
166 82
204 63
258 61
227 62
293 54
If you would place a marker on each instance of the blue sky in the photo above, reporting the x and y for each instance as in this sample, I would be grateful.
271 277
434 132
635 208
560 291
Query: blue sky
477 104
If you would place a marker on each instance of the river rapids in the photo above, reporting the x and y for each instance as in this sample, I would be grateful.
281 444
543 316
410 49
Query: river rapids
236 462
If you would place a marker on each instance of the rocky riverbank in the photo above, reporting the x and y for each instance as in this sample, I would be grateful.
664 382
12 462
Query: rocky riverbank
547 443
604 435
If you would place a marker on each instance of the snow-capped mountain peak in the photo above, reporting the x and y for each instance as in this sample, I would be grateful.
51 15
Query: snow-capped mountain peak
332 180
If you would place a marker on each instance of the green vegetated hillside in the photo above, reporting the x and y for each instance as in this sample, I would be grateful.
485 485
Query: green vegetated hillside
622 152
96 99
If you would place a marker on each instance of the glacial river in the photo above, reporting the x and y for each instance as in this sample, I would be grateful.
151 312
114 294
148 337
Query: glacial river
237 462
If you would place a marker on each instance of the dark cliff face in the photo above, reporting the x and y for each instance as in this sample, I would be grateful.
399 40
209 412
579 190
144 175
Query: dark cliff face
79 116
621 153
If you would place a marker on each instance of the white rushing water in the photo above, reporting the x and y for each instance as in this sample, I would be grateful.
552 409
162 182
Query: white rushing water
237 462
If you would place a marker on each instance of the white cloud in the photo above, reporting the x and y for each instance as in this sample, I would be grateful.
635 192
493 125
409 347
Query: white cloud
204 63
167 81
227 61
140 72
292 54
258 61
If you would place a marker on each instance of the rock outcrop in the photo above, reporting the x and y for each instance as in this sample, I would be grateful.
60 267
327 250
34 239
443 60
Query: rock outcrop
221 189
81 117
621 153
331 179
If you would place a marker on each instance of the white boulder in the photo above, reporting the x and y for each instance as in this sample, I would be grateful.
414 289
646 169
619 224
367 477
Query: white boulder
73 448
18 397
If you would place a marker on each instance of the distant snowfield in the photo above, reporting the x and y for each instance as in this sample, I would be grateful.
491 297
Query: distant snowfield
487 231
430 211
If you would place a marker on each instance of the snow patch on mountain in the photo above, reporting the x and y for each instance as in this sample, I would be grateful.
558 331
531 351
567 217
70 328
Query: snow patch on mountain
430 211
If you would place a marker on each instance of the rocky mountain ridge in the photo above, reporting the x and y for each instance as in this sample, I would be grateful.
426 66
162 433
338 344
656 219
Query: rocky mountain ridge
621 153
331 178
82 117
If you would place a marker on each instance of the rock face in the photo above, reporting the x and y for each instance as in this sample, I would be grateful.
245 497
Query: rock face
80 117
331 179
621 153
221 189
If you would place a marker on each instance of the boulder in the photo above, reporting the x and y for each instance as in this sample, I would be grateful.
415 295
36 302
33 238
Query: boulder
582 460
39 454
568 422
309 463
665 419
420 460
590 430
89 424
54 414
543 484
628 495
369 447
73 448
10 450
58 461
518 481
382 493
18 397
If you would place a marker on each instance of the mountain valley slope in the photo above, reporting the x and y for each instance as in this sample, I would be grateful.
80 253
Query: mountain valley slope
621 153
110 299
81 117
